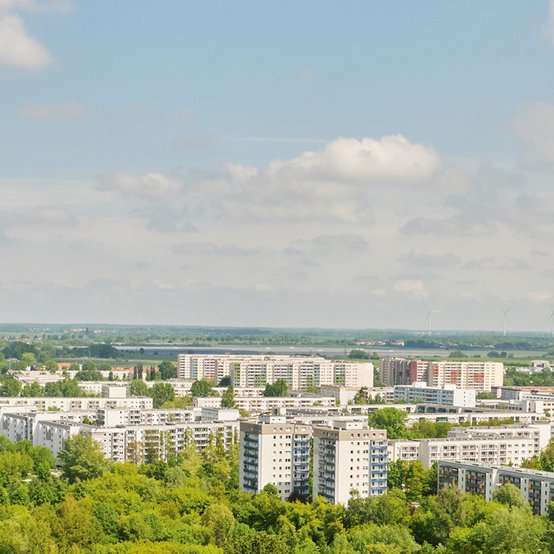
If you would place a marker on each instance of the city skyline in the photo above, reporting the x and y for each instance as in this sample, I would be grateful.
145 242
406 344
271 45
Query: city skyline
315 165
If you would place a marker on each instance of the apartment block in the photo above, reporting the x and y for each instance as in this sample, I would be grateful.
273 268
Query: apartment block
480 376
274 451
537 487
301 373
76 403
402 371
491 445
349 457
447 395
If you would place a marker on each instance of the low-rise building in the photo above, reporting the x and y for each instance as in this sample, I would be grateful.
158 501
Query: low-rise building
446 394
537 487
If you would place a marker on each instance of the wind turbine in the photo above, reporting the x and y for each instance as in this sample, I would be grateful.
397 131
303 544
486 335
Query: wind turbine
551 322
504 314
428 319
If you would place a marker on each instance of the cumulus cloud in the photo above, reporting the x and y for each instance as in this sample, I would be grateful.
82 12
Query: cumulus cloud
534 125
332 184
52 215
409 287
390 158
144 184
17 48
66 112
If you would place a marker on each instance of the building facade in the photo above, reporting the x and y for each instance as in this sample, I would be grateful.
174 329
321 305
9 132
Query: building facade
537 487
349 457
275 451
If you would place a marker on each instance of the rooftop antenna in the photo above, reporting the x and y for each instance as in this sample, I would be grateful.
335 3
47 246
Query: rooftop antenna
504 314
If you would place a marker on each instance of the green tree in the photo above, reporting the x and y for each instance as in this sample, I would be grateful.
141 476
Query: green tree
279 388
201 388
391 419
28 358
510 495
167 370
82 458
228 398
160 393
137 387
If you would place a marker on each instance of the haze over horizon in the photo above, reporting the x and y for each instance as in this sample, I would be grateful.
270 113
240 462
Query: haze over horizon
316 164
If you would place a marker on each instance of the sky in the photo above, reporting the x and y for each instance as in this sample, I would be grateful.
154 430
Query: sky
306 163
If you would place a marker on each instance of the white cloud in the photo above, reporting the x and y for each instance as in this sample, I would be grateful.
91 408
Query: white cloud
66 112
410 287
539 296
332 184
17 48
390 158
145 184
548 28
37 6
534 125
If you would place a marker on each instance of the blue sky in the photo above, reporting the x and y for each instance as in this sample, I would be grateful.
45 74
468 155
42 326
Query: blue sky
278 163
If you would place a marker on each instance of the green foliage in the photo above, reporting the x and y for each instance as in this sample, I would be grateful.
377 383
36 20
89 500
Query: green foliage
192 505
66 387
167 370
510 495
391 419
161 393
228 398
81 459
137 387
279 388
89 375
202 388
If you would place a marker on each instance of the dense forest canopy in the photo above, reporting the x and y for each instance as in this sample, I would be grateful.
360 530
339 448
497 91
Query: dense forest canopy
192 504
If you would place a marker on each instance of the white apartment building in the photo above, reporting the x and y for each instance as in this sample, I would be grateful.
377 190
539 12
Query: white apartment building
301 373
138 443
23 425
112 417
448 395
509 444
537 487
349 457
345 395
274 451
75 403
256 405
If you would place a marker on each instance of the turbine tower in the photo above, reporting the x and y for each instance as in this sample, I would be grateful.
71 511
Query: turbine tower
504 314
551 322
428 319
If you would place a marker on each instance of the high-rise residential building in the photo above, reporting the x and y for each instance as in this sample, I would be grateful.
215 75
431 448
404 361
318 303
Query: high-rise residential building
274 451
301 373
401 371
480 376
349 457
